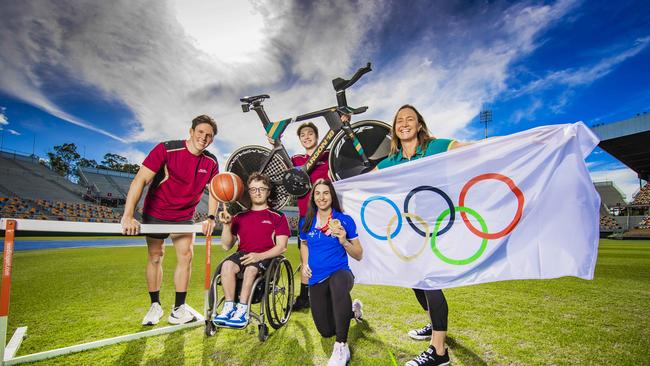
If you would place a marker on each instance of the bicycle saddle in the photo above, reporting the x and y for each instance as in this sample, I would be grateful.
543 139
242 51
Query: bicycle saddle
254 98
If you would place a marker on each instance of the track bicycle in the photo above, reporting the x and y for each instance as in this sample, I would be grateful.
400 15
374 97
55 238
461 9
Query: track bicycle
356 148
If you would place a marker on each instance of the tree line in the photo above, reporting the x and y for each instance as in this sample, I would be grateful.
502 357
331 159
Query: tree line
64 160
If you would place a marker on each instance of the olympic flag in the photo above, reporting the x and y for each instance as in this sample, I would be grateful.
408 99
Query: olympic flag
514 207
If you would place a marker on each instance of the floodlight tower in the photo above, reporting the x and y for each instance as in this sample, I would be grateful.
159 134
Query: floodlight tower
485 116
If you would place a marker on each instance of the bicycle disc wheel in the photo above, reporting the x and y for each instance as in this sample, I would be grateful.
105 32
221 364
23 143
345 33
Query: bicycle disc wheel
248 159
345 162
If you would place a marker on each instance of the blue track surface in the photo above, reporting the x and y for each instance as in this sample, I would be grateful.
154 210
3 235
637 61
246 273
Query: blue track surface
20 244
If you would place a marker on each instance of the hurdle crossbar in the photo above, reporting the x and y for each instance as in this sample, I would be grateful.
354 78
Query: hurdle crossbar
10 226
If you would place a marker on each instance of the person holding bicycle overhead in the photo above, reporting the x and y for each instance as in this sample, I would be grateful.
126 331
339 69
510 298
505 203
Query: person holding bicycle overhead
412 140
308 136
328 236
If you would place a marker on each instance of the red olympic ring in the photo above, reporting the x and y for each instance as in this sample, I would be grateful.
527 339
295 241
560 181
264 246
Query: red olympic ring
513 187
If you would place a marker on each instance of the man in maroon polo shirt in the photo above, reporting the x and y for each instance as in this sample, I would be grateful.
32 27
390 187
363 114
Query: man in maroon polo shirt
263 234
177 173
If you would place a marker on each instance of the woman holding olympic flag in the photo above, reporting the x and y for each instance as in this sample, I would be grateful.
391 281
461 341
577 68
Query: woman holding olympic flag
327 237
411 140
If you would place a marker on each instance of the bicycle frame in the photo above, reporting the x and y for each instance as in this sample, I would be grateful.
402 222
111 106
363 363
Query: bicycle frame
332 117
333 120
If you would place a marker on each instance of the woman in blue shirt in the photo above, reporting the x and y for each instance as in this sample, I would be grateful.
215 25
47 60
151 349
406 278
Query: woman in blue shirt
412 140
327 237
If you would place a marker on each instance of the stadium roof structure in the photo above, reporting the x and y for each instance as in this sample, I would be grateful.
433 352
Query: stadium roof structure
628 141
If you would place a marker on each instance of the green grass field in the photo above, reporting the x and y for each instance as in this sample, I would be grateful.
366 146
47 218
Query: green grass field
70 296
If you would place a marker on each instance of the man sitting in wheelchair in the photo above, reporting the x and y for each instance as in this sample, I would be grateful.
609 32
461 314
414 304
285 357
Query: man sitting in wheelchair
262 234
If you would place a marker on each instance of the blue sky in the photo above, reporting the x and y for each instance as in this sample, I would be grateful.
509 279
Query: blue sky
120 76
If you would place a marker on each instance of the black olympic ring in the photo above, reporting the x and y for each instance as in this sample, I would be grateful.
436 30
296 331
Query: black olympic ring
452 209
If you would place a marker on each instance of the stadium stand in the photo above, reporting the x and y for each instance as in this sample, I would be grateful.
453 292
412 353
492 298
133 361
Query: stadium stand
643 197
645 223
25 177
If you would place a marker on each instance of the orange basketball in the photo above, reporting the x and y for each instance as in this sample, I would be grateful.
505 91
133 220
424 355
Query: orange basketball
226 187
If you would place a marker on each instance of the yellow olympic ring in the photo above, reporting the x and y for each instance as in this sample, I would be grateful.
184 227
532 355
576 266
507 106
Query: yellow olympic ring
390 240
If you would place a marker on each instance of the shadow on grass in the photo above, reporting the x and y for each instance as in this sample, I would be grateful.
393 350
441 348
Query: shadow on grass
464 354
175 348
133 353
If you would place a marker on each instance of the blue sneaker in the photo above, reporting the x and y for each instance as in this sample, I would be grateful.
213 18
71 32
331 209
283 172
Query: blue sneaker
239 318
225 314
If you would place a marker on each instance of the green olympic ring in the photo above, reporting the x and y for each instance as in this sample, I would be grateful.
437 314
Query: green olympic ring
389 237
474 256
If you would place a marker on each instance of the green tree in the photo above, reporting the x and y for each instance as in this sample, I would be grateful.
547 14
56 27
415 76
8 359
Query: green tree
63 159
114 161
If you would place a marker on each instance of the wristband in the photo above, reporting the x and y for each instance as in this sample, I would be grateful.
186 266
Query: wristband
211 217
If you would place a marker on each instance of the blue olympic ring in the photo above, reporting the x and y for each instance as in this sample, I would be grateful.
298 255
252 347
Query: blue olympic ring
393 205
452 209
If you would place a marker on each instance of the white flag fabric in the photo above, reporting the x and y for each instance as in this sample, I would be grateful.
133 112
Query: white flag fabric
515 207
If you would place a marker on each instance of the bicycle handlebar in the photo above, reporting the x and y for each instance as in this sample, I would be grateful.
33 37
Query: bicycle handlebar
341 84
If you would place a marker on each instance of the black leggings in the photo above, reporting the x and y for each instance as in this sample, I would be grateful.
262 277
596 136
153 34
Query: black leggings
331 305
435 303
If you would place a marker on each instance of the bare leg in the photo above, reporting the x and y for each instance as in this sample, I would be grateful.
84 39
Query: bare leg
438 341
184 252
229 272
154 271
247 285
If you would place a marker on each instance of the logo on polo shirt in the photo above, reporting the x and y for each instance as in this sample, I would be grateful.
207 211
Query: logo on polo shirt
202 170
267 222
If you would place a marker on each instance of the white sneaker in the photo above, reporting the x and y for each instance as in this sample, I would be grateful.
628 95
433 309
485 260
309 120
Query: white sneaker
181 315
153 315
357 309
340 355
225 314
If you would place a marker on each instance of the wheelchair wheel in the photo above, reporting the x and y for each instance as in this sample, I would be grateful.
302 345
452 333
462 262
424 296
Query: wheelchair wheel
344 160
248 159
279 292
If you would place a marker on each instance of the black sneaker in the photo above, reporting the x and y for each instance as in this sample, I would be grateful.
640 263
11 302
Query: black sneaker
430 358
422 333
301 303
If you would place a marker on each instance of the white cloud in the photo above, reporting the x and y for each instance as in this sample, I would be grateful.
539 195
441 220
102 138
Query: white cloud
140 55
134 156
625 179
584 75
13 132
3 116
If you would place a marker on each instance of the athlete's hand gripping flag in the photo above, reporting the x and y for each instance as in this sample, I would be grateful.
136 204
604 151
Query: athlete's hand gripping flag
515 207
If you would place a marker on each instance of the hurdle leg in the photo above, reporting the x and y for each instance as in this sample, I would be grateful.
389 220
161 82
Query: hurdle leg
10 351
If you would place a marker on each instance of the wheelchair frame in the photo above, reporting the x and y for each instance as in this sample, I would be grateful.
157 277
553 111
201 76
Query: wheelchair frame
275 283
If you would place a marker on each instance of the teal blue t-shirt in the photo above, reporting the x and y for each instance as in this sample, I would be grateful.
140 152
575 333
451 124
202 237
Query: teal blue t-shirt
435 147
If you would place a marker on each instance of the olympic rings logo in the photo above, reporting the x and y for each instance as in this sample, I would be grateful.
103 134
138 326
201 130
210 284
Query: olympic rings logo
396 220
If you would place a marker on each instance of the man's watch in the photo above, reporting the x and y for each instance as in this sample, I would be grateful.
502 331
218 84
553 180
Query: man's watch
211 217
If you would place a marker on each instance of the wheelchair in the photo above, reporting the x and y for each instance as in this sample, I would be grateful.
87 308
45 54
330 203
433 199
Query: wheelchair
273 290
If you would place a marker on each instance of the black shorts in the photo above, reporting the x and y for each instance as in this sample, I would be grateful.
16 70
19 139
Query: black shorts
236 258
146 219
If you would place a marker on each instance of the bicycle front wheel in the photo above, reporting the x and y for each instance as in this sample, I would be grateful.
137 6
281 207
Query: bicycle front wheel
248 159
345 161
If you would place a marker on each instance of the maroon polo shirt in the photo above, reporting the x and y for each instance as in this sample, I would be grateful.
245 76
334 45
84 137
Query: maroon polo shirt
320 170
257 229
179 182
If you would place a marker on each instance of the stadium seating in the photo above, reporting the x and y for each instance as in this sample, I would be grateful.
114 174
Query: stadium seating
645 223
643 197
607 223
41 209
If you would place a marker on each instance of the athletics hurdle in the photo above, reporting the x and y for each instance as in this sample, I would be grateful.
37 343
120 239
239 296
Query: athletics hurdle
10 226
